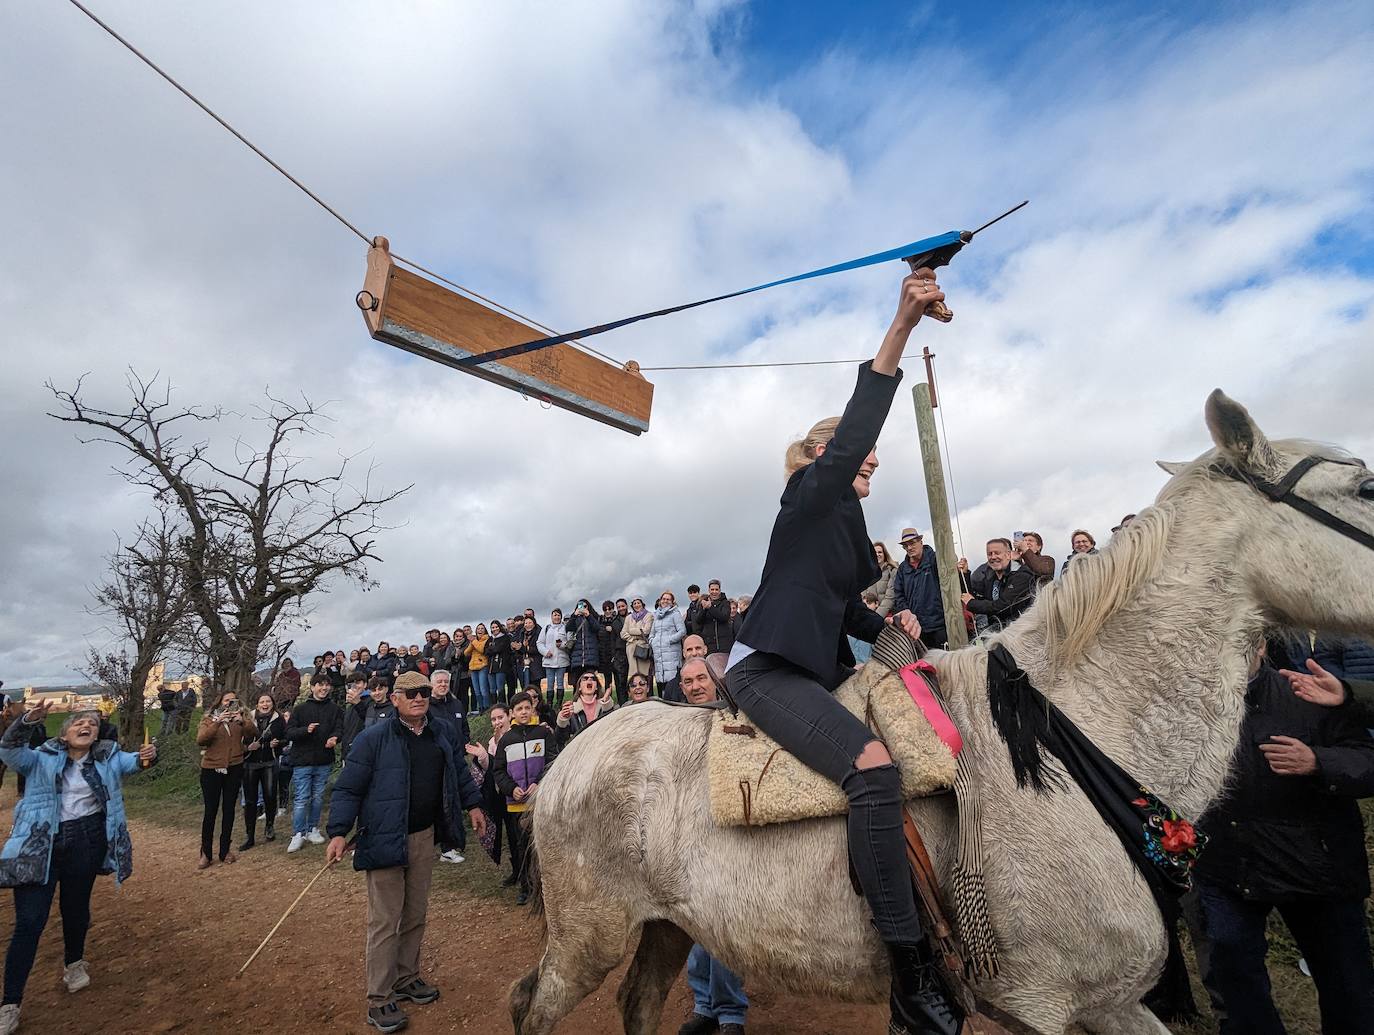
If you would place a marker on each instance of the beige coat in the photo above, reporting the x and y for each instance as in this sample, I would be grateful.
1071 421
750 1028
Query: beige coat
637 634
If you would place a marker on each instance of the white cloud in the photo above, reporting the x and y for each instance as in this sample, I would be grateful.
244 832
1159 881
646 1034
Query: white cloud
586 161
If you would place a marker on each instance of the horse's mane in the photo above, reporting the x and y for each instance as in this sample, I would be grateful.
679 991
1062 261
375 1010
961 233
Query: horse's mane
1071 610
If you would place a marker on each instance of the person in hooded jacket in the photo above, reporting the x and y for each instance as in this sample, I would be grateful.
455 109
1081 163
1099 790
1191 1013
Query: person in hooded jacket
665 638
406 788
584 642
260 770
68 829
384 663
915 587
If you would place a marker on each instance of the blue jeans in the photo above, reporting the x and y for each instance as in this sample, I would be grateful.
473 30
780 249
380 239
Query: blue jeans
78 852
1331 935
498 687
309 781
558 682
717 990
481 688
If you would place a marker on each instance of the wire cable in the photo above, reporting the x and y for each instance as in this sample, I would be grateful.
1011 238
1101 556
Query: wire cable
759 366
949 464
205 108
302 187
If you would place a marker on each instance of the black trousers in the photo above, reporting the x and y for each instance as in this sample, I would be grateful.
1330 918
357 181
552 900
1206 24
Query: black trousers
264 779
1332 937
515 845
789 705
78 852
220 793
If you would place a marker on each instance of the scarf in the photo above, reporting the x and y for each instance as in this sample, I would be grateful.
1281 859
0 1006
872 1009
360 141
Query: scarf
664 612
638 616
1163 845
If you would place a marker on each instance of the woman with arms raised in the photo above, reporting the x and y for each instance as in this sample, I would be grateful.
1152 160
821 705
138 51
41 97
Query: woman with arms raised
792 653
68 829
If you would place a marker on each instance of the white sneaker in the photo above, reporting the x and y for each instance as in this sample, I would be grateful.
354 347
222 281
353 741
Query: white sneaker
451 856
76 976
314 836
9 1019
297 843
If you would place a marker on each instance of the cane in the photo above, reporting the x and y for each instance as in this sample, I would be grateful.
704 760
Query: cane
289 908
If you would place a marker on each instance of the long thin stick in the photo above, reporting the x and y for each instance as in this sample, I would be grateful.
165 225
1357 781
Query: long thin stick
292 906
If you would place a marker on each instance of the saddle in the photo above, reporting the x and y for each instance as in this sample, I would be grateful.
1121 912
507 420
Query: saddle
754 782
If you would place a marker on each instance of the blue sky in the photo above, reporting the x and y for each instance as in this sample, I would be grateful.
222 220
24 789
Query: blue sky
1200 216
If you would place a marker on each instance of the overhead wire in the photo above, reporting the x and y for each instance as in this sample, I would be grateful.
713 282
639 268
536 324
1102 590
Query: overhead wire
302 187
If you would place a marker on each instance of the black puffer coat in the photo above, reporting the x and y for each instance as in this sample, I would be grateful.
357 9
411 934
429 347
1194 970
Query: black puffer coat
583 642
1277 838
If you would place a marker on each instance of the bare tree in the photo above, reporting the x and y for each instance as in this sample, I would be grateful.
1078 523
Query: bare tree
147 607
262 533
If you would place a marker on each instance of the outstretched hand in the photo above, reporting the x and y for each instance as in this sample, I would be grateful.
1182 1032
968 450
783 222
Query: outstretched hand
39 712
907 622
919 291
1316 685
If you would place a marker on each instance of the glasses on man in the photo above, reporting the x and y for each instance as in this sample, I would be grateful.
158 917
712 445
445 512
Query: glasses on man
416 691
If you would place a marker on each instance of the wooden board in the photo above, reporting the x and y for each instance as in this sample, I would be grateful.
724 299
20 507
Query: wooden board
406 310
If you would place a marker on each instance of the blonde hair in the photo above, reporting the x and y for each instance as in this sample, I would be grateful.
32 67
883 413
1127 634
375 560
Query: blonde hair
803 451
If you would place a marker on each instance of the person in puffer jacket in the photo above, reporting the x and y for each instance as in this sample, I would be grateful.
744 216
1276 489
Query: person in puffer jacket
666 639
553 646
584 642
522 757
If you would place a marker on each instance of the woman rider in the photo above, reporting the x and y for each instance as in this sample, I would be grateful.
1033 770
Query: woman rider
792 653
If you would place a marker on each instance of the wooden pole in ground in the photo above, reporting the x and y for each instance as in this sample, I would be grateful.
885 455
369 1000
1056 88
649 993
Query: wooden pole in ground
946 556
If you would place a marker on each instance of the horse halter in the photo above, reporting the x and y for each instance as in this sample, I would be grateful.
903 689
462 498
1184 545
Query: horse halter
1282 491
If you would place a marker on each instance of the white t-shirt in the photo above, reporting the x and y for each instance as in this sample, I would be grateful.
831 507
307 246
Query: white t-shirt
78 796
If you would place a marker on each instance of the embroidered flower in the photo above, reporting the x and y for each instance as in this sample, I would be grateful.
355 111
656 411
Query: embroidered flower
1178 836
1140 803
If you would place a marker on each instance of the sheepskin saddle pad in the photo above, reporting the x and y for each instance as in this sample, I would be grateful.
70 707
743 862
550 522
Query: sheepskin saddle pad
754 782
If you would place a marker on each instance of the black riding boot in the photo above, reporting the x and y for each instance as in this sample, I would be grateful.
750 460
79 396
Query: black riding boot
919 1003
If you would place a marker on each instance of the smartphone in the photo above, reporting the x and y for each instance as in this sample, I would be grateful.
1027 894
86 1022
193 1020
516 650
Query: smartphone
1016 537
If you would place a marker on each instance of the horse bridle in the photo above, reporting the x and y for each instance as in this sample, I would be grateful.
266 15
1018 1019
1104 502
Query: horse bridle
1283 492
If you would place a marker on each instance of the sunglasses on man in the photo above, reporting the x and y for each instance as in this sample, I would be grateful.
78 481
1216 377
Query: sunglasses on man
413 692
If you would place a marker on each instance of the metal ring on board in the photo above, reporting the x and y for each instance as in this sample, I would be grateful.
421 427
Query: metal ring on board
366 300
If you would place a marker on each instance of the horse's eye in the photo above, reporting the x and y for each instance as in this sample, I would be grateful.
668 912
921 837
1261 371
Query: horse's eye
1367 489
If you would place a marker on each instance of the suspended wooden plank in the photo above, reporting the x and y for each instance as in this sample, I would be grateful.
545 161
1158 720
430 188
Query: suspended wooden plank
406 310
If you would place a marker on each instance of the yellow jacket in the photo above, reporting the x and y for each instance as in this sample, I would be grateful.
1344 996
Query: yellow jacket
476 650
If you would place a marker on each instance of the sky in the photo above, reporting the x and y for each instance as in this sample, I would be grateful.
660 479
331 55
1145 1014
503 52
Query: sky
1201 198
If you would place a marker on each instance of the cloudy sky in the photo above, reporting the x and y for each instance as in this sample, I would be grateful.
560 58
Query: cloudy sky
1202 192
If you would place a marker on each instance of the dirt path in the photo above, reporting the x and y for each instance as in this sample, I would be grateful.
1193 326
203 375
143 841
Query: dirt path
164 949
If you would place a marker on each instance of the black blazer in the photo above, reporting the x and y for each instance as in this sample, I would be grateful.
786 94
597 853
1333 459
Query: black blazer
819 556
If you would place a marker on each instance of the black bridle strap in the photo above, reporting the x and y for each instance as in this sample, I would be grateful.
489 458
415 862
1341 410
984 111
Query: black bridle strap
1282 492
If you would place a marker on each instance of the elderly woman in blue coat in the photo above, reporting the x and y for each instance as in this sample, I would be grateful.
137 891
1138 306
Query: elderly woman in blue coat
68 829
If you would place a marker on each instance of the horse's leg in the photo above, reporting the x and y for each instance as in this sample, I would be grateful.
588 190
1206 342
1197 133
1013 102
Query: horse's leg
581 950
1135 1019
663 948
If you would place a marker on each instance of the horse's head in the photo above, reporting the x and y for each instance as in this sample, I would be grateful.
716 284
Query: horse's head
1305 513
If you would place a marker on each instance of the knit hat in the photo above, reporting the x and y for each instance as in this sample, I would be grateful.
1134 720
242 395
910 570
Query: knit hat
410 681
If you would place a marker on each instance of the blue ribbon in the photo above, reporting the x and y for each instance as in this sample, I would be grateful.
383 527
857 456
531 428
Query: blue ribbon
915 248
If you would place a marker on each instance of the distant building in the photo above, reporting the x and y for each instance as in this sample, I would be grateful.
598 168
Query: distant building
64 698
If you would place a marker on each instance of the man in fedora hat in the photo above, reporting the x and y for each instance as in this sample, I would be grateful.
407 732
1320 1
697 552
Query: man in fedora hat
916 588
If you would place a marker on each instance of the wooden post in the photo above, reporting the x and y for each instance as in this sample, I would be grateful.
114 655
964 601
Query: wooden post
945 555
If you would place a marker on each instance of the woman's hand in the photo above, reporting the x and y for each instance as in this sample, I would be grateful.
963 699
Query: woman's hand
907 622
919 291
147 754
38 713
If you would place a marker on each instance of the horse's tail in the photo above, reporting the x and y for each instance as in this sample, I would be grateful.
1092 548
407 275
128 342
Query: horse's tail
531 862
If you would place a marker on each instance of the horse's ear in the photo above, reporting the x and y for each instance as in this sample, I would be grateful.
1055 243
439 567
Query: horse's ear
1169 467
1237 435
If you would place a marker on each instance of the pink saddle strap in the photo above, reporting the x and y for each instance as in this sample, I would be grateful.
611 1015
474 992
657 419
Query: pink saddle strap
914 676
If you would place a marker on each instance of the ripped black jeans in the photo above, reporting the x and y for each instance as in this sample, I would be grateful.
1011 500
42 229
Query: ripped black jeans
789 705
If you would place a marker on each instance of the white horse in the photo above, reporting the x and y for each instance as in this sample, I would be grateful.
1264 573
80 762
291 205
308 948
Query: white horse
1146 647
